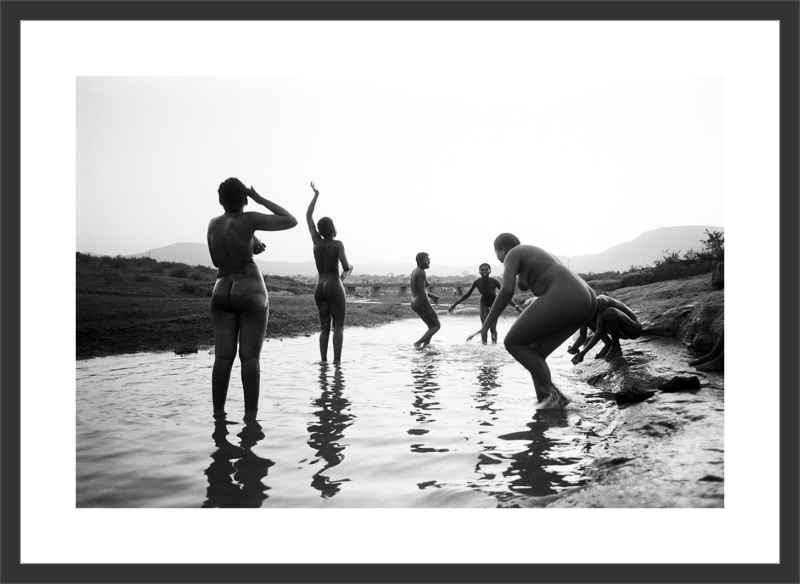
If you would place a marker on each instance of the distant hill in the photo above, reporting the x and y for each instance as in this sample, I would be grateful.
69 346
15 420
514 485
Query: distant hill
196 254
642 251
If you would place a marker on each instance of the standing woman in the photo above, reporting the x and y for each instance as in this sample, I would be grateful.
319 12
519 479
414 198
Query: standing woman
239 301
329 293
564 303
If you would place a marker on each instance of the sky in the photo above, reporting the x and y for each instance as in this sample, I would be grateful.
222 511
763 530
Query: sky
405 161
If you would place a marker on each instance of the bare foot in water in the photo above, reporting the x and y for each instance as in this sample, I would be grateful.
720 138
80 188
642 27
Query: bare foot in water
554 400
717 364
550 402
613 353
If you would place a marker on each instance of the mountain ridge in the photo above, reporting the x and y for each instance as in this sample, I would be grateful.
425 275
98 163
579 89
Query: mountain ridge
641 251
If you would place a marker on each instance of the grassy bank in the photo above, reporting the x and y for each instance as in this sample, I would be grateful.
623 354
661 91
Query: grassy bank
139 304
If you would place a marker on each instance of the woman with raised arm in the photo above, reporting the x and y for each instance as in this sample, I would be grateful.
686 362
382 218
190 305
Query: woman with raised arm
564 303
329 293
239 301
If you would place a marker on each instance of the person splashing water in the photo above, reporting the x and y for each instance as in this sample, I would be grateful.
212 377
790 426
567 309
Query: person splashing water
564 303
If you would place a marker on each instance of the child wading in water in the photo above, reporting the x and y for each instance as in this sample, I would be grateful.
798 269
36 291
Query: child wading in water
419 299
488 288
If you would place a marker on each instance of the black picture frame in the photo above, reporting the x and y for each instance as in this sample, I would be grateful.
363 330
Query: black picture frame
786 12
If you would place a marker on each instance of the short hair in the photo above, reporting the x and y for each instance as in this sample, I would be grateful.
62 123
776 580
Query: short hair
506 241
484 264
326 228
420 256
232 195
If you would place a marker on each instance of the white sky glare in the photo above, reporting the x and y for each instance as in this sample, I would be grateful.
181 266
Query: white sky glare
406 160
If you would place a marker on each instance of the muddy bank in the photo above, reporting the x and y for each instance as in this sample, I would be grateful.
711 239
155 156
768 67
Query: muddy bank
667 451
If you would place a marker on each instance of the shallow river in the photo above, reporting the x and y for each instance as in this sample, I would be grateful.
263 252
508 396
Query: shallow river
452 425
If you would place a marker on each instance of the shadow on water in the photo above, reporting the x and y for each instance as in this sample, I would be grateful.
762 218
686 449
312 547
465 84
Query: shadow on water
326 434
236 484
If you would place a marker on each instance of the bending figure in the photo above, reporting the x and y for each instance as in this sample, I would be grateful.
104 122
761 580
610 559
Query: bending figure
564 303
612 317
329 293
239 301
715 360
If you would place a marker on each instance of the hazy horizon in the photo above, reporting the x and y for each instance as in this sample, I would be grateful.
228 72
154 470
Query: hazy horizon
462 264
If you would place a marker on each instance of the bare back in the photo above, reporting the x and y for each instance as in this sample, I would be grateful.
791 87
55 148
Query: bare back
230 243
327 256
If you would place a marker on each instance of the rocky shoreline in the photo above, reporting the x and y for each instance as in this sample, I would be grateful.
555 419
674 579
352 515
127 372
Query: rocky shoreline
667 451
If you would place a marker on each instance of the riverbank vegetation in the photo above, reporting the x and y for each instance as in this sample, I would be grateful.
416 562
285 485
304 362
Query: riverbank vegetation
672 265
130 305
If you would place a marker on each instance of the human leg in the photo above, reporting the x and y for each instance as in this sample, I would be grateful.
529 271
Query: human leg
430 319
426 312
484 312
606 346
324 320
337 305
715 360
619 325
226 333
252 303
544 326
324 329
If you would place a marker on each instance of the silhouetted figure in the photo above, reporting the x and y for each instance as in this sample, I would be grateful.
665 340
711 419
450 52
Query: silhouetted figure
611 318
239 301
420 302
564 303
329 293
488 288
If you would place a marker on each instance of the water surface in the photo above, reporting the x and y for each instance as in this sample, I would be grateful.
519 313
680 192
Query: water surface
452 425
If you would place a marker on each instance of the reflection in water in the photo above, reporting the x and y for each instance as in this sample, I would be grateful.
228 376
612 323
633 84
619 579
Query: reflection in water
236 484
447 426
425 389
486 396
531 469
424 404
326 434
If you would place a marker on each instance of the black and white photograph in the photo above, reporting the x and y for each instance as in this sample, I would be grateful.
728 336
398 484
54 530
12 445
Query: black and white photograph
352 275
278 281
